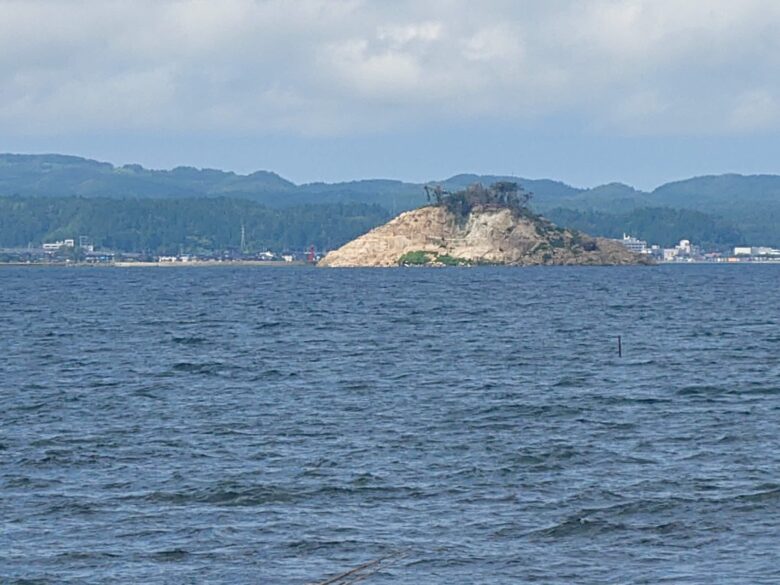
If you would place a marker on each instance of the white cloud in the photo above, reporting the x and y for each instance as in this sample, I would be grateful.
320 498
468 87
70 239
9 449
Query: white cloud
336 67
400 35
372 73
496 44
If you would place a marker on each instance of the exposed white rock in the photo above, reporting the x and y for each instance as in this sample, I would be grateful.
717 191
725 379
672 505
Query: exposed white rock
486 236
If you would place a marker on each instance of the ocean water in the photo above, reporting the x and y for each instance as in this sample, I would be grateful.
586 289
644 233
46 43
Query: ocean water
260 425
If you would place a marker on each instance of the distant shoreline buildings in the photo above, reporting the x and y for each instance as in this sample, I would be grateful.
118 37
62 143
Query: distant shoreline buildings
59 245
686 252
81 250
760 251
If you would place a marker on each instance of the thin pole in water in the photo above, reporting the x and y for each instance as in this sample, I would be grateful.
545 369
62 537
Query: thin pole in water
620 346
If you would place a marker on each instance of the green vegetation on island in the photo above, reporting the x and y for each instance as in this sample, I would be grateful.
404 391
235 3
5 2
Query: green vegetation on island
501 194
422 258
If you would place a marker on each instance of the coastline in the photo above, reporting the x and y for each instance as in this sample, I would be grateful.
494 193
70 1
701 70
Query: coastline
191 264
204 263
299 263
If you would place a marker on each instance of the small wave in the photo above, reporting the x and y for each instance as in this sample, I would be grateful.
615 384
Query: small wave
312 546
32 387
618 400
578 526
78 555
701 390
765 493
528 410
570 382
145 393
33 407
204 368
226 495
261 495
641 506
189 340
58 334
103 384
70 509
356 386
272 374
173 555
642 363
760 388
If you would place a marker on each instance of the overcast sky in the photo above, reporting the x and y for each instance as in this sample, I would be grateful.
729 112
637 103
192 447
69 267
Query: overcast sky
587 91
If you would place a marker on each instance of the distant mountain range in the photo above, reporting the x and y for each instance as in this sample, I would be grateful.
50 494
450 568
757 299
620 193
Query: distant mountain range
748 206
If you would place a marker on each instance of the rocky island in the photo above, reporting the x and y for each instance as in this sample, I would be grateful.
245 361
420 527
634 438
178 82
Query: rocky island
479 225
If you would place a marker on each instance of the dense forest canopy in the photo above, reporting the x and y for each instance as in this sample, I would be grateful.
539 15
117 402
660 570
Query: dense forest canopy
191 225
657 225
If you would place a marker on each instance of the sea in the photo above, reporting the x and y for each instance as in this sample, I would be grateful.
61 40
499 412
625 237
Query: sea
455 425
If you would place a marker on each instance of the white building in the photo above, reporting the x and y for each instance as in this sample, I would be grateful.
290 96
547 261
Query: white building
634 244
765 251
51 246
756 251
684 251
670 254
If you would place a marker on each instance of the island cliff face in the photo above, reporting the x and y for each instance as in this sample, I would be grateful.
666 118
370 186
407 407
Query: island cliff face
487 235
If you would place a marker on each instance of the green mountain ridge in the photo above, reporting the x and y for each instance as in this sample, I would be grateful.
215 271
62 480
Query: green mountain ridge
63 175
745 208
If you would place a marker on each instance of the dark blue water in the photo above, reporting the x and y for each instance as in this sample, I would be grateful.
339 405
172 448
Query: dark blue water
284 425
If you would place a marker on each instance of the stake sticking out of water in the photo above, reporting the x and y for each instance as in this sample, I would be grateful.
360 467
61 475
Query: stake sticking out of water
620 346
363 571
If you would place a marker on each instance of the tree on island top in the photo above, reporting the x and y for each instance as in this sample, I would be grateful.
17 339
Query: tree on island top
500 195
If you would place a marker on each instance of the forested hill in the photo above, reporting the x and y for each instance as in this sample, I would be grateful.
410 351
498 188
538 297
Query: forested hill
736 208
660 225
168 226
55 175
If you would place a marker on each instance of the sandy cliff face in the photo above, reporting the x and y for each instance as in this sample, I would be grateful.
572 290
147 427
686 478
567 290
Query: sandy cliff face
489 236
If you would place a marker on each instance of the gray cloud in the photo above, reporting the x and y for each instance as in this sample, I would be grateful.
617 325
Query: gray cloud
317 67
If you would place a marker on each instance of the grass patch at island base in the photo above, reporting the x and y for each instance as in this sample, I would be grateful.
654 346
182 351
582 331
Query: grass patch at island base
422 258
417 258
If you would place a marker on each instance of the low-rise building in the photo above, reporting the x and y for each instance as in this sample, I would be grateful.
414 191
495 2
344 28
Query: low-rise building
53 246
766 251
755 251
682 252
634 244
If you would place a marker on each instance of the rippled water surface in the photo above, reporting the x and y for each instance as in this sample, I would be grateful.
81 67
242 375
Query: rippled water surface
284 425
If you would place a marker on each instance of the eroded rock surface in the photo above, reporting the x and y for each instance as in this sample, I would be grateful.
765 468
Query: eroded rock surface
485 236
